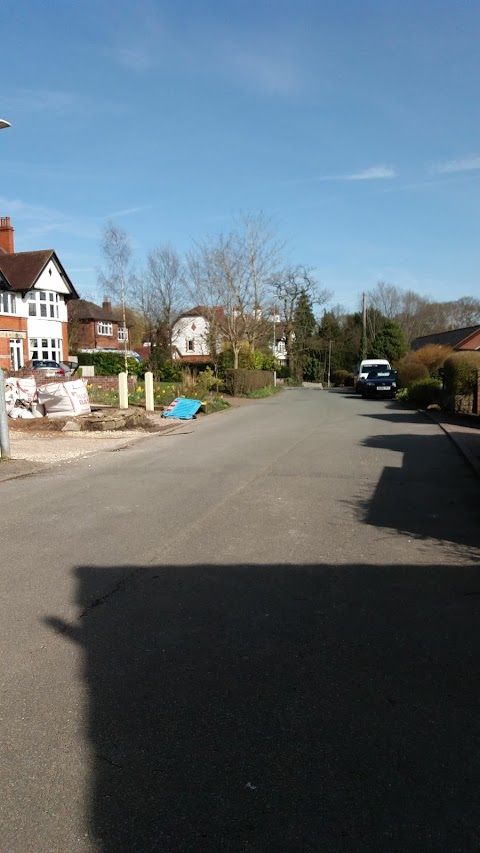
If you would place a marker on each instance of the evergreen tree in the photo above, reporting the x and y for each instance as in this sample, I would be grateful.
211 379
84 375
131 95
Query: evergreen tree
306 343
390 342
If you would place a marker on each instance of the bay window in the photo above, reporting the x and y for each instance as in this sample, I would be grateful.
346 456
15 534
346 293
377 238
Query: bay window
46 348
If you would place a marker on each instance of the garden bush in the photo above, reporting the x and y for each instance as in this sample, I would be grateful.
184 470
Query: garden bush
409 372
241 381
424 392
460 373
339 377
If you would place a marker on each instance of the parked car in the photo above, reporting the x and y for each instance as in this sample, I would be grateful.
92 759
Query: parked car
361 372
50 367
380 383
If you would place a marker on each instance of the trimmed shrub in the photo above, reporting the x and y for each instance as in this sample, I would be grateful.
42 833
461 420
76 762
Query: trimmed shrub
432 356
339 377
241 381
111 363
460 373
424 392
409 372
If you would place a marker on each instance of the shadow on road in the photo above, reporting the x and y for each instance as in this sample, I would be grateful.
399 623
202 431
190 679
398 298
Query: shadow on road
432 494
282 707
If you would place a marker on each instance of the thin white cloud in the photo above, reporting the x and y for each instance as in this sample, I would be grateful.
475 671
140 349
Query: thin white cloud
463 164
127 211
374 173
265 63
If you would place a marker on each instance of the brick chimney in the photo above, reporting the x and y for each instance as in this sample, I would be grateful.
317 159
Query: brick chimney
6 235
106 304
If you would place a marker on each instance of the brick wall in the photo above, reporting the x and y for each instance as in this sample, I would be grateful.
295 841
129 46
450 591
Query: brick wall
110 383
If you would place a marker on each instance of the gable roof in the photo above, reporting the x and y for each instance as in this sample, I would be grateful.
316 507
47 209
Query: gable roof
453 338
22 269
85 310
218 313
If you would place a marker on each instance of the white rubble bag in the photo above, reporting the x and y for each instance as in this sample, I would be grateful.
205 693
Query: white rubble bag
11 394
64 398
27 389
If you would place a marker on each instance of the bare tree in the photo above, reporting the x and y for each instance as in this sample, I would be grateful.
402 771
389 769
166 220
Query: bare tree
160 293
288 287
262 254
230 277
386 298
462 313
117 277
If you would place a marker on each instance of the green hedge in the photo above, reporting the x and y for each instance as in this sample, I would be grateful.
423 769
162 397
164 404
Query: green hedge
460 373
242 381
424 392
111 363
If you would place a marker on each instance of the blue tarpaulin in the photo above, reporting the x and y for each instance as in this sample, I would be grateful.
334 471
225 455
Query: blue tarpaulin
182 408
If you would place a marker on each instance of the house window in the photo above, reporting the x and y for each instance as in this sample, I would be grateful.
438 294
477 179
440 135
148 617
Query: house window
190 345
43 303
280 346
7 303
104 328
46 348
122 334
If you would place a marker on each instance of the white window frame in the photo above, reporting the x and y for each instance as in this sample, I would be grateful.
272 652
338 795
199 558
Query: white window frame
45 349
189 341
8 302
122 334
104 328
44 304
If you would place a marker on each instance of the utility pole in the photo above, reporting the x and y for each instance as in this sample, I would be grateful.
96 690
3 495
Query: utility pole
274 346
329 362
4 436
364 327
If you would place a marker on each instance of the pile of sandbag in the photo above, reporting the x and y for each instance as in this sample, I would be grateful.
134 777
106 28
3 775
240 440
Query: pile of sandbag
21 398
26 399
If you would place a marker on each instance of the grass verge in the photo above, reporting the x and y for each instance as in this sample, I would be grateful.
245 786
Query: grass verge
263 392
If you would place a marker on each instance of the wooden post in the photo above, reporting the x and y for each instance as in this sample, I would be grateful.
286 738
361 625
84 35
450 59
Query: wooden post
122 391
149 405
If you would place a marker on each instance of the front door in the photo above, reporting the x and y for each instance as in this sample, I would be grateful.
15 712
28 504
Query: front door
16 353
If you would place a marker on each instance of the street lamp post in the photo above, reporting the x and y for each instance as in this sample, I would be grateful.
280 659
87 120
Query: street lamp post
4 436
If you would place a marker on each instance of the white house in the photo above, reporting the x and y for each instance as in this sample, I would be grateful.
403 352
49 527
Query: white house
34 291
191 336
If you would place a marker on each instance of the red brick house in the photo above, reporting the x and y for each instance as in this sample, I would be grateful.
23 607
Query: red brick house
34 293
95 327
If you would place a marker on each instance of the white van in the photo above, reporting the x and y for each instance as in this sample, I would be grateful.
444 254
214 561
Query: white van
363 369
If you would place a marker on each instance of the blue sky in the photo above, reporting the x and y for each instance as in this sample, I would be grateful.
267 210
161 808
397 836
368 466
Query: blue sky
354 124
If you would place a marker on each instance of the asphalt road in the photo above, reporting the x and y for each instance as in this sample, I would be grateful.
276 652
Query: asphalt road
261 633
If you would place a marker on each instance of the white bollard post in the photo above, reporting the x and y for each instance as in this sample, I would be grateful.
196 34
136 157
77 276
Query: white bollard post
122 391
4 436
149 405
